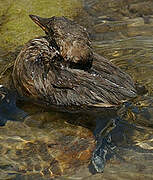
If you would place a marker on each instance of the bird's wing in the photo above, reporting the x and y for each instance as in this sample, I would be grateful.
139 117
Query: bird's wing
37 76
105 85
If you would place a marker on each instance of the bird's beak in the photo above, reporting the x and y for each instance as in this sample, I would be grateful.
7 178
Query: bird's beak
42 22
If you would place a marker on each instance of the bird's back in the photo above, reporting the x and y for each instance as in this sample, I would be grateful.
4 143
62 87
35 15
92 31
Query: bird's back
38 76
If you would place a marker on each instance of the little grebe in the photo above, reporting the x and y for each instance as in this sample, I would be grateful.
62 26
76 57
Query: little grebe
61 69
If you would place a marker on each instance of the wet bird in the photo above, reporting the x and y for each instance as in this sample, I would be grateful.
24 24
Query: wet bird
62 69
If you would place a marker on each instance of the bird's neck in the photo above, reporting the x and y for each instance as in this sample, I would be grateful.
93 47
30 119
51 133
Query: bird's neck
52 42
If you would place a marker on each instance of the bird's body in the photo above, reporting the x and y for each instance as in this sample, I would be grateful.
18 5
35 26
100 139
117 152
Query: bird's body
64 72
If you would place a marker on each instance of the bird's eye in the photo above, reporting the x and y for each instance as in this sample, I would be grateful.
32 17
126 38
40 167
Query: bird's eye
51 32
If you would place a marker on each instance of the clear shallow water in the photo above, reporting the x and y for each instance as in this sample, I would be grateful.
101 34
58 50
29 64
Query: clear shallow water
48 144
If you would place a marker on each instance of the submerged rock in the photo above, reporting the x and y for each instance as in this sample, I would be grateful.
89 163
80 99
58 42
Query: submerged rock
48 152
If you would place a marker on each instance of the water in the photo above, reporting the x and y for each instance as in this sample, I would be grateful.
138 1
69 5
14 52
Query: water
42 144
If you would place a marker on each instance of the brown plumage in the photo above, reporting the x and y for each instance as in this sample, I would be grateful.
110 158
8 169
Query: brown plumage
69 38
61 69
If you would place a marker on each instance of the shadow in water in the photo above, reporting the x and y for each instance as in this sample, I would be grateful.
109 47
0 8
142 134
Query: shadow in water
8 108
111 134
